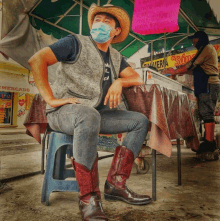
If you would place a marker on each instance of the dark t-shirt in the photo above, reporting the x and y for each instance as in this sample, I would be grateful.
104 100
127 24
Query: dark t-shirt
67 49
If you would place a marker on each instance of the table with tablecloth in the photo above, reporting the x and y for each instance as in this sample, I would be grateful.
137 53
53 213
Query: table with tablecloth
36 120
167 110
169 114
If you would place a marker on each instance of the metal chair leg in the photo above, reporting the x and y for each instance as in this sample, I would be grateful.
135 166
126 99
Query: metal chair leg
179 162
154 175
43 151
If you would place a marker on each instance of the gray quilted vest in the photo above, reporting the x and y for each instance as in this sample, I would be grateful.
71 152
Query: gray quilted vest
83 77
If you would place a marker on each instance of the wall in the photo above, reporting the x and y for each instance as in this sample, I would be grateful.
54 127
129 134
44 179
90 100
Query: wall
21 112
22 93
22 109
19 81
135 58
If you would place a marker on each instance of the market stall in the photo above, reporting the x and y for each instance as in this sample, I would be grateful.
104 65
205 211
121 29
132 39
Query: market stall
151 76
70 16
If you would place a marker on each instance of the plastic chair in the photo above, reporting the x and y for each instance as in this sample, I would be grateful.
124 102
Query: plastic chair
61 173
56 172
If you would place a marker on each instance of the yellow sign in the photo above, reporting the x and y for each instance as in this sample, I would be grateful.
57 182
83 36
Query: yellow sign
5 103
29 99
177 60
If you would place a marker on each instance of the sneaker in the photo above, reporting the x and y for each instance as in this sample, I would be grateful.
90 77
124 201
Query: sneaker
208 156
207 146
207 151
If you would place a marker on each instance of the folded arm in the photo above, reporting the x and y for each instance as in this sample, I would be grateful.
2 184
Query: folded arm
189 66
128 78
180 71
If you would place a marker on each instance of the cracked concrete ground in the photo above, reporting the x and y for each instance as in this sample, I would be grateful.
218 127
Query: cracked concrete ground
197 199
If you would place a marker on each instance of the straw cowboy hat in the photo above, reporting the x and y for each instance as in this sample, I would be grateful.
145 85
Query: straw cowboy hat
119 13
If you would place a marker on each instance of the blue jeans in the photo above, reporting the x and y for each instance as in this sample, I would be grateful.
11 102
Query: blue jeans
207 103
85 123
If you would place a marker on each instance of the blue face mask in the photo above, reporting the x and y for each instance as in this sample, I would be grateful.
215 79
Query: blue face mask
100 32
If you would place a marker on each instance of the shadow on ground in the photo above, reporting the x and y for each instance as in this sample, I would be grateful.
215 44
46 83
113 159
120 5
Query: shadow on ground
197 199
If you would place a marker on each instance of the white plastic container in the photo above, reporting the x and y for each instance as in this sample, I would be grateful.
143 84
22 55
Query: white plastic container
150 76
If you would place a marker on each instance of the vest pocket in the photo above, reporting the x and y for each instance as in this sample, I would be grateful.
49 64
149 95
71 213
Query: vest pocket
79 95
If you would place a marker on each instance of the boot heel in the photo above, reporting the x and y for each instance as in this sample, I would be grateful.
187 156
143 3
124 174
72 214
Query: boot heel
109 197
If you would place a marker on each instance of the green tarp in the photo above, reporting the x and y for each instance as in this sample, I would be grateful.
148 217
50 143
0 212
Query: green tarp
195 13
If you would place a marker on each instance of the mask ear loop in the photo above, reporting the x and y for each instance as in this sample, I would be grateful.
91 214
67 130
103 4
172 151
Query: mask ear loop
115 35
110 32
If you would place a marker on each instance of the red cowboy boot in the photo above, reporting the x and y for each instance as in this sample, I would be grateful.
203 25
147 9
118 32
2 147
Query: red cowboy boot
208 149
89 198
115 187
210 131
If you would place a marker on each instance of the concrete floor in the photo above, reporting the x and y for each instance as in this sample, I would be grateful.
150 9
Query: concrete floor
197 199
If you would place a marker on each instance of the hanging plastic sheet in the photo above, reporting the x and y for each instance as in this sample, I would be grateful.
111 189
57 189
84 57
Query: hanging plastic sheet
169 114
23 41
36 120
155 17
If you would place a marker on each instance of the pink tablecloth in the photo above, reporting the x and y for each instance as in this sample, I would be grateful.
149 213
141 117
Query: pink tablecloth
169 113
167 110
36 120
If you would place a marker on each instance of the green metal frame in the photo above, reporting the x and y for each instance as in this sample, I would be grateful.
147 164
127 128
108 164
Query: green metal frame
70 16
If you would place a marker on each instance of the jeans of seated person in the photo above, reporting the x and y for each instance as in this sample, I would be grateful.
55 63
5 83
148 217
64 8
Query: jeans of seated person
207 102
85 123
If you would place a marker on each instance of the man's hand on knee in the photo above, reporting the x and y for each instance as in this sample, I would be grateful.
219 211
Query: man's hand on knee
114 94
60 102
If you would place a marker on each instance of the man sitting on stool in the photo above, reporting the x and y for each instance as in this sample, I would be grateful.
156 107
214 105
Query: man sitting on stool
90 76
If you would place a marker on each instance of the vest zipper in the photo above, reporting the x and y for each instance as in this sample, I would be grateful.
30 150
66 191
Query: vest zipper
113 69
115 77
100 97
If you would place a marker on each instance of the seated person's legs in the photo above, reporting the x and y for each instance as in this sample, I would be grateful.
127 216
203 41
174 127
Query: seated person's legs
83 123
136 124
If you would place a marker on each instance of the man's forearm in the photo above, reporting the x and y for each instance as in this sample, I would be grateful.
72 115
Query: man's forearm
181 70
40 73
131 81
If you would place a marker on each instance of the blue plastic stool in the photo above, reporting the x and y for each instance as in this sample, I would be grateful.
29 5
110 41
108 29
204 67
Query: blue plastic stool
56 172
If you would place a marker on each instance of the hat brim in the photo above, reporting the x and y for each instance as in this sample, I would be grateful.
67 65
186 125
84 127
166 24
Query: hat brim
191 37
119 13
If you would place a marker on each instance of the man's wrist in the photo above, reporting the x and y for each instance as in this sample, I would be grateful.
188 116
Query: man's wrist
119 81
50 100
181 71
